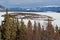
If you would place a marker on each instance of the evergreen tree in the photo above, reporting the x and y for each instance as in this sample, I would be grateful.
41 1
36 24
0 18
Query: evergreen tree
39 31
0 33
7 27
29 30
22 31
13 29
50 31
18 31
35 32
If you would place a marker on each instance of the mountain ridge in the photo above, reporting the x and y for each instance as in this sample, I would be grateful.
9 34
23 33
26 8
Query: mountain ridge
35 9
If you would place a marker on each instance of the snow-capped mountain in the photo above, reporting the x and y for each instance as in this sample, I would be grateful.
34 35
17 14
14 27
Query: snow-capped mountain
51 6
35 9
43 9
2 8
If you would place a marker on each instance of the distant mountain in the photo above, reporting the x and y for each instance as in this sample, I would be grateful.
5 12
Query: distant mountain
35 9
16 9
44 9
51 6
2 8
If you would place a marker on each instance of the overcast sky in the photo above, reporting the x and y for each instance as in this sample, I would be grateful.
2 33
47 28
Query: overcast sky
29 3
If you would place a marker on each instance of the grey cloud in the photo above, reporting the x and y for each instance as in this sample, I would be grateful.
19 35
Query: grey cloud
12 2
26 1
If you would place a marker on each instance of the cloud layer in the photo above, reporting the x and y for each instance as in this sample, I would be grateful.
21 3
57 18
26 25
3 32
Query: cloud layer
27 2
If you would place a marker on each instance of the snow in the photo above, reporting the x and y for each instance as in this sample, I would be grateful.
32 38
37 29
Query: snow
52 14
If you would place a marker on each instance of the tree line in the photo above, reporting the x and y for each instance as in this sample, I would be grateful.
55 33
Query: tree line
12 29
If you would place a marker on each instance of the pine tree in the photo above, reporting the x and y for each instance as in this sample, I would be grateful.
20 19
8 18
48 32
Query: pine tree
18 31
35 32
43 33
39 31
58 34
29 30
7 27
56 29
0 33
3 30
22 31
13 29
50 31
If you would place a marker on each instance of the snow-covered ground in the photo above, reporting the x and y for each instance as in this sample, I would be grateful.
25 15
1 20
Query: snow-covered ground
52 14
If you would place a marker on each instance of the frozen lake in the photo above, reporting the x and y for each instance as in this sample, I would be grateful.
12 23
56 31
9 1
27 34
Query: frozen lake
52 14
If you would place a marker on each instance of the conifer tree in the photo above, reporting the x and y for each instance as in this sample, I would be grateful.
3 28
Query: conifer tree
29 30
56 29
39 31
43 33
3 29
0 33
50 31
35 32
22 30
13 28
17 34
18 31
57 33
7 26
